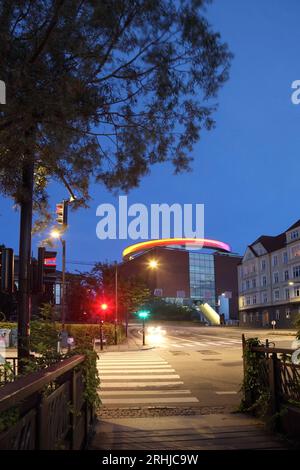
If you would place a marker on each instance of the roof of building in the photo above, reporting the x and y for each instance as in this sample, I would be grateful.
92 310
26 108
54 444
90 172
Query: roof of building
270 243
273 243
295 225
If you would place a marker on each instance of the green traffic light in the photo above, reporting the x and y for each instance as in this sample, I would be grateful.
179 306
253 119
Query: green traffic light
143 314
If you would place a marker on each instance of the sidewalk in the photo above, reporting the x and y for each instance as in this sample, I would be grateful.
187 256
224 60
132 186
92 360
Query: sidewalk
198 432
130 344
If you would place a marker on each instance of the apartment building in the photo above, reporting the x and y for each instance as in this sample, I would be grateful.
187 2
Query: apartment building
269 280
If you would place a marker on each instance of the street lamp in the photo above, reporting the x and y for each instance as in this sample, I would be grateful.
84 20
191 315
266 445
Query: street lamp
56 234
153 264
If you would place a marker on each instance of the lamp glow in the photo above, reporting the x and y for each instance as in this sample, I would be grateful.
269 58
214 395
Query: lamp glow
55 234
153 264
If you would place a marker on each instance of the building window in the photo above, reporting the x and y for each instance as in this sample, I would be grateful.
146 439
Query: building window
253 282
247 284
276 278
254 299
244 318
287 313
57 293
276 295
251 317
263 264
285 257
286 276
158 292
296 271
295 252
257 316
264 281
275 260
265 298
287 294
294 235
297 292
248 301
277 314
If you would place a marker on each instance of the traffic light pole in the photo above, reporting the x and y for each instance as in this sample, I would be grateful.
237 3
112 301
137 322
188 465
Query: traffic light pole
116 302
101 335
144 343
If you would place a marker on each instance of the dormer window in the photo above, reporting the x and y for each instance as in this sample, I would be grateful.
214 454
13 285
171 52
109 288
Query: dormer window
294 235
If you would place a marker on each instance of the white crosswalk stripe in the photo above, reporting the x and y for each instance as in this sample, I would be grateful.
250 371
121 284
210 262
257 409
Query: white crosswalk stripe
203 343
130 378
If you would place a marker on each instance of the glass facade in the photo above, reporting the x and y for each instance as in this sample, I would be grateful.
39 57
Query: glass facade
202 277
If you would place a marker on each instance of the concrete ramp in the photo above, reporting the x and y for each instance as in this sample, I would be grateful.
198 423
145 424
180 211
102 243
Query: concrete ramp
210 314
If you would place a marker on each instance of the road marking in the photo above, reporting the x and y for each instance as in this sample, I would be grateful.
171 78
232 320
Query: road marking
131 363
227 393
145 392
136 366
119 401
153 371
138 385
137 377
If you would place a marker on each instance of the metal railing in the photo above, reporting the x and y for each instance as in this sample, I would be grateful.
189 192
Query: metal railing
47 409
279 375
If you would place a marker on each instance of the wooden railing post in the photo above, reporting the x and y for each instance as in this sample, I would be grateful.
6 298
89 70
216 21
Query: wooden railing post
272 362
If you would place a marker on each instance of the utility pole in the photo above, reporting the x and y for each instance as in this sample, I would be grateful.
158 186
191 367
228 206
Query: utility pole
24 301
116 302
63 242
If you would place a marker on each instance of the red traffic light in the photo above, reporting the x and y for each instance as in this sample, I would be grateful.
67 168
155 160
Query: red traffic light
104 306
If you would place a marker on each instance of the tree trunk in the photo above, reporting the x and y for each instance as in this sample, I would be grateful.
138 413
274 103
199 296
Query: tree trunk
24 297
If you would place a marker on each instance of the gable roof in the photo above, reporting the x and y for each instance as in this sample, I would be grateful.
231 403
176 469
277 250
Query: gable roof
295 225
271 243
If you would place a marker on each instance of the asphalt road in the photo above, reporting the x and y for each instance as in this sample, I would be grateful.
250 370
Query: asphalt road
186 366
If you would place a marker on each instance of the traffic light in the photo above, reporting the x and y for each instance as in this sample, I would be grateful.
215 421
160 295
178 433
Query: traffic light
143 314
104 307
7 270
49 266
62 213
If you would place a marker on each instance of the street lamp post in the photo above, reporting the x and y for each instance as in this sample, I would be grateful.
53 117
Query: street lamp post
56 234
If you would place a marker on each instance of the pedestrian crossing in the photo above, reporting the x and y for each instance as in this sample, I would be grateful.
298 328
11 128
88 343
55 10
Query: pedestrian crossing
140 378
201 344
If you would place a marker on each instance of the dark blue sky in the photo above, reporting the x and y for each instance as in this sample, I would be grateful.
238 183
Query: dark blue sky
247 170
